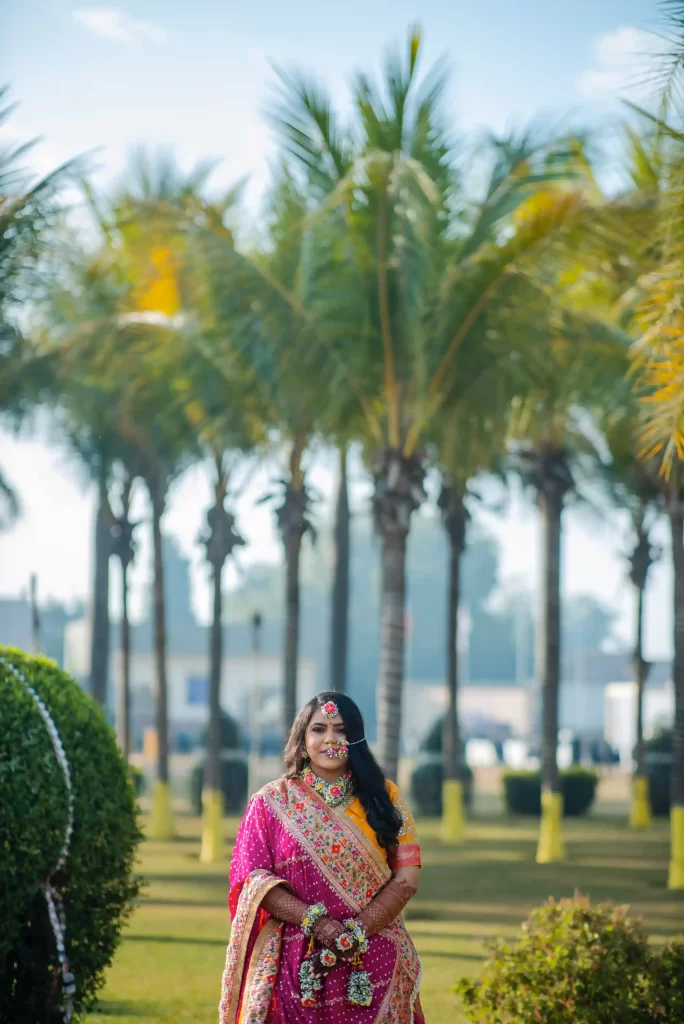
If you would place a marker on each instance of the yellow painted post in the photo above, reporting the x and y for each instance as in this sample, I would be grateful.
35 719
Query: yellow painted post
551 848
161 818
676 875
212 826
640 810
453 816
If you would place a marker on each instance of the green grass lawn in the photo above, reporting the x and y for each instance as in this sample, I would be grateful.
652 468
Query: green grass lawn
168 967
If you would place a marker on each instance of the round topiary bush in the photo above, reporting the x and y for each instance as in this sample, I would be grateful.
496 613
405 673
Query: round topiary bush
522 791
96 882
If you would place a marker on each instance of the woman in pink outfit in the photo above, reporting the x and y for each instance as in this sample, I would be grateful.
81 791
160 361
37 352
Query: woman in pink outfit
325 860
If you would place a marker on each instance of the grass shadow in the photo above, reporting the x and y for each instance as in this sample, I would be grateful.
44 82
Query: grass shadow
116 1008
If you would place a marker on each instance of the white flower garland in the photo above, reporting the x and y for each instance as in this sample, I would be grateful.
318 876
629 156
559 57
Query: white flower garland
55 904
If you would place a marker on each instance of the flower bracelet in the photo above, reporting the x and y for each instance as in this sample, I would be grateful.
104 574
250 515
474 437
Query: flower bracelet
313 915
354 935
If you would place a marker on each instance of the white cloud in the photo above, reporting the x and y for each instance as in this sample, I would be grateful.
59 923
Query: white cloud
622 62
114 24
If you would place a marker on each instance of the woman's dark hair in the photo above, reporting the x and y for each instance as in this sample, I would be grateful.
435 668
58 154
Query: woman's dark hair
369 781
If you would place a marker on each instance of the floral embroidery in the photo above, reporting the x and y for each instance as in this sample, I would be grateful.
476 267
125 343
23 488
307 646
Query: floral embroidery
354 876
261 992
255 888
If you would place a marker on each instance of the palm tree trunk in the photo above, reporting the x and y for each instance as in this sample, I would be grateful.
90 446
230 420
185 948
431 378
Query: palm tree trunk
392 629
293 547
676 874
550 839
124 715
161 825
99 640
339 631
640 811
212 792
453 824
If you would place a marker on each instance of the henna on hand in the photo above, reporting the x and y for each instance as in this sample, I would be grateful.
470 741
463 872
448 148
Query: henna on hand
283 904
327 931
386 906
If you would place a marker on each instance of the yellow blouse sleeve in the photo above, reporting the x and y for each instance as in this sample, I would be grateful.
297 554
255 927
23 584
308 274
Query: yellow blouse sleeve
407 853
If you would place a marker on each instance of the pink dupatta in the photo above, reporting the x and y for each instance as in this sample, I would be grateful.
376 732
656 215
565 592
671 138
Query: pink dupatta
289 836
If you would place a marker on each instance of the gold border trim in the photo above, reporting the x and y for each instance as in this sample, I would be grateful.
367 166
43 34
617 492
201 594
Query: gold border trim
231 1016
264 936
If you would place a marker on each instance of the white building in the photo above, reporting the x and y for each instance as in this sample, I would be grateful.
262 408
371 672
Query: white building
243 677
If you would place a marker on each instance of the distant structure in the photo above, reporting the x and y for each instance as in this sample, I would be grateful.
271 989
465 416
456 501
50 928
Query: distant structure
250 685
17 626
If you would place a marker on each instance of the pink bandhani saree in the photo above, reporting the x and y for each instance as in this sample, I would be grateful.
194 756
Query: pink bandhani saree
289 836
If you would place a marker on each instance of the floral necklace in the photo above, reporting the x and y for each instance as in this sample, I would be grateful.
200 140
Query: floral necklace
332 792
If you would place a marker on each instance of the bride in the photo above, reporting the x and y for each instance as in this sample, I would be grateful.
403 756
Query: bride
325 860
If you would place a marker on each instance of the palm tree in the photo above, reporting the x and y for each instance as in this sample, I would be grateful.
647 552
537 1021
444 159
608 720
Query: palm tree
123 548
260 302
220 540
122 333
553 436
466 446
635 485
455 518
226 417
339 617
642 276
388 305
28 211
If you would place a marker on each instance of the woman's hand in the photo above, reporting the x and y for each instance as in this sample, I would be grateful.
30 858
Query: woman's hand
327 931
388 904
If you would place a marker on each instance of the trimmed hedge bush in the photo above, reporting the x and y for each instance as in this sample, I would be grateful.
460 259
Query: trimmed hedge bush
659 771
97 883
426 788
234 774
577 964
234 783
522 791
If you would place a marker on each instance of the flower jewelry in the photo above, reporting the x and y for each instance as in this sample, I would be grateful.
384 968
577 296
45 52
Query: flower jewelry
327 958
357 933
344 942
359 989
309 985
313 914
330 709
332 792
338 751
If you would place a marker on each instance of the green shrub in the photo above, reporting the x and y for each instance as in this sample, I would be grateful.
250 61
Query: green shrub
426 788
137 777
231 736
575 964
662 994
522 791
97 882
234 782
234 773
659 775
658 751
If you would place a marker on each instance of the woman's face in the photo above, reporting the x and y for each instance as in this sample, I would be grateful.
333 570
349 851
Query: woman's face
325 743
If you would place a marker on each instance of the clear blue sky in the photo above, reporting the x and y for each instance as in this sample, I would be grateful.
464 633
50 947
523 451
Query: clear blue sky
195 75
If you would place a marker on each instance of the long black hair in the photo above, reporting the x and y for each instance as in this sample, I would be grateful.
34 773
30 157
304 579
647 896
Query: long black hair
369 781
